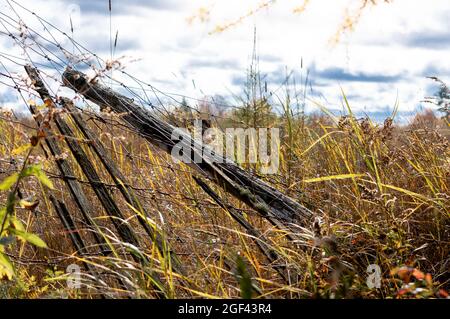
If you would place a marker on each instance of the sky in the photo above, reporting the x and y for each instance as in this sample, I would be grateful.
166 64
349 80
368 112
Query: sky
385 59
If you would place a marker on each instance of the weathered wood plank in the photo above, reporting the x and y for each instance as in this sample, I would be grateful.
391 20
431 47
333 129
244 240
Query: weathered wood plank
122 183
66 171
69 225
116 216
111 208
86 166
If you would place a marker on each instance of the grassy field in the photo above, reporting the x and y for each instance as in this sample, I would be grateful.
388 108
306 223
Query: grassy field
380 193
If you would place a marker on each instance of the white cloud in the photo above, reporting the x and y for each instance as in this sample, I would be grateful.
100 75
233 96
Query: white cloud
174 55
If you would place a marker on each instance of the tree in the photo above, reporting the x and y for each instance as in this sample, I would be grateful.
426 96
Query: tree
441 98
185 105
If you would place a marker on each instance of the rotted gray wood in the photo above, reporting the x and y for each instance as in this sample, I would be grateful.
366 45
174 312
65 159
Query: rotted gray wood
69 225
121 182
66 171
85 164
99 188
77 241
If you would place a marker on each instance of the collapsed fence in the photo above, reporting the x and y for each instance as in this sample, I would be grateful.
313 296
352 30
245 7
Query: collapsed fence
271 204
257 194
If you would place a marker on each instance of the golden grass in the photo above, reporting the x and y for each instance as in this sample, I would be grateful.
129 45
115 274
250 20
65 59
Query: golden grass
380 192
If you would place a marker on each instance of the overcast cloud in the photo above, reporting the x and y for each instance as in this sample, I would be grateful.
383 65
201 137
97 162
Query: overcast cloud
386 58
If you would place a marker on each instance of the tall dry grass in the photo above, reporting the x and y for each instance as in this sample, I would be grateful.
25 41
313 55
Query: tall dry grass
380 192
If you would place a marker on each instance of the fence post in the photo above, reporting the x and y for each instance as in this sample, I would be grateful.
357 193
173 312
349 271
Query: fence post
116 217
69 177
122 184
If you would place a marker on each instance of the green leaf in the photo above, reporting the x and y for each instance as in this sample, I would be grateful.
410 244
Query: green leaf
17 223
21 149
4 217
2 212
10 202
9 181
31 170
6 268
36 170
244 278
31 238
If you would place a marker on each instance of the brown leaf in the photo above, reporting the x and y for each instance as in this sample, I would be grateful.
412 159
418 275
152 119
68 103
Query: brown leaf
404 273
31 206
443 293
34 140
48 102
41 134
402 292
429 279
418 274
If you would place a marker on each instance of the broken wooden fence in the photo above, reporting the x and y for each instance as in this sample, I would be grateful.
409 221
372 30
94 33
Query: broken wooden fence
272 204
118 220
278 208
